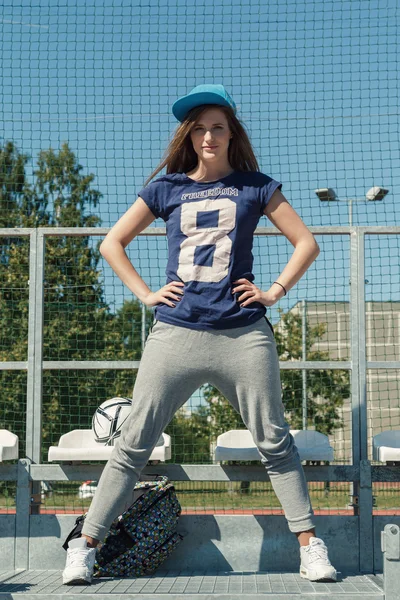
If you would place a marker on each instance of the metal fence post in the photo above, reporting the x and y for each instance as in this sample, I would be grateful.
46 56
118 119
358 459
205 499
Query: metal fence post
355 377
365 517
39 297
33 377
30 391
35 359
23 501
365 487
390 546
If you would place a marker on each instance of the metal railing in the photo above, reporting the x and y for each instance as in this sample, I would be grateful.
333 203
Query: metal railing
28 472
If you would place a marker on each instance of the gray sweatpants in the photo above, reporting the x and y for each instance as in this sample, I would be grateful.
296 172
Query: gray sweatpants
243 364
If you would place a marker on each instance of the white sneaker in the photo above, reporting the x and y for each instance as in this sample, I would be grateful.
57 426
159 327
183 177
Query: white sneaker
315 563
80 562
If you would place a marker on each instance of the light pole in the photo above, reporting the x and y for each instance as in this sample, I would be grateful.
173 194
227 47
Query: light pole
328 195
374 194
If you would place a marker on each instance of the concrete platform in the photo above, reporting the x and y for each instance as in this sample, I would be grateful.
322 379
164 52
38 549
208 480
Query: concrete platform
192 585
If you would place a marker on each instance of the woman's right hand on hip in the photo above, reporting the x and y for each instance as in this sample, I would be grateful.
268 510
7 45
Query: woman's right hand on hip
172 290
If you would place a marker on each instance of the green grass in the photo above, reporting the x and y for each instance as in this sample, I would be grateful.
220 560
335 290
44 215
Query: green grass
222 495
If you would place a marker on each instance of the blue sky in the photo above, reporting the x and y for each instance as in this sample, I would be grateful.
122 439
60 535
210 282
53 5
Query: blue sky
316 84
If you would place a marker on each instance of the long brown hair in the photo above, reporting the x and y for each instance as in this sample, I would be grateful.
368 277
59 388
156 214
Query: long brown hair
180 157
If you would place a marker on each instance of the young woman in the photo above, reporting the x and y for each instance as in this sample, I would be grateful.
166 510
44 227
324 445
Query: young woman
210 324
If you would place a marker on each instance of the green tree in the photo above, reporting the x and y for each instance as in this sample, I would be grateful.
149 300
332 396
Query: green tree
78 323
190 436
15 211
326 389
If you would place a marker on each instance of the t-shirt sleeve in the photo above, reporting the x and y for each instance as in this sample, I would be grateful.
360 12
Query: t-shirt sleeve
267 190
150 195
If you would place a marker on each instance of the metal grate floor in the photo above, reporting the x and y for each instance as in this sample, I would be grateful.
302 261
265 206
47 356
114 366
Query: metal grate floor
193 585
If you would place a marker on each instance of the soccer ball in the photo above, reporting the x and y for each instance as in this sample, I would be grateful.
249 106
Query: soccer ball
109 418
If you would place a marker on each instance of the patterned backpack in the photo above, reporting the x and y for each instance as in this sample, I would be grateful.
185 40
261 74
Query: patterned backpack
143 537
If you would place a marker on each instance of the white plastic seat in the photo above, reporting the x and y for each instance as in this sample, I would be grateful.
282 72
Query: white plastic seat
238 444
386 446
8 445
80 444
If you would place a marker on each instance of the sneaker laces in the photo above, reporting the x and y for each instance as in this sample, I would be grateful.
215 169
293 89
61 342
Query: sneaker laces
318 553
77 556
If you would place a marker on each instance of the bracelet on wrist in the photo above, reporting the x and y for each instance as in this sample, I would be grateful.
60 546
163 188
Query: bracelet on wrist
281 286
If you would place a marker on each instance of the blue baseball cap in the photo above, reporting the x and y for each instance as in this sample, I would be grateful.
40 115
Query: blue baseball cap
207 93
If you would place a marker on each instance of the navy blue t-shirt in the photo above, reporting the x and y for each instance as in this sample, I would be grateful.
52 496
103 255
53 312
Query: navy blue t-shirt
210 228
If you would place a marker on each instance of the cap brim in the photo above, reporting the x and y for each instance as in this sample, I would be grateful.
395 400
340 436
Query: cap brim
183 105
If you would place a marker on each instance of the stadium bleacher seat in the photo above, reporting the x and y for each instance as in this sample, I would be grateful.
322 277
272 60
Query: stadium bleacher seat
386 447
238 444
8 445
80 444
